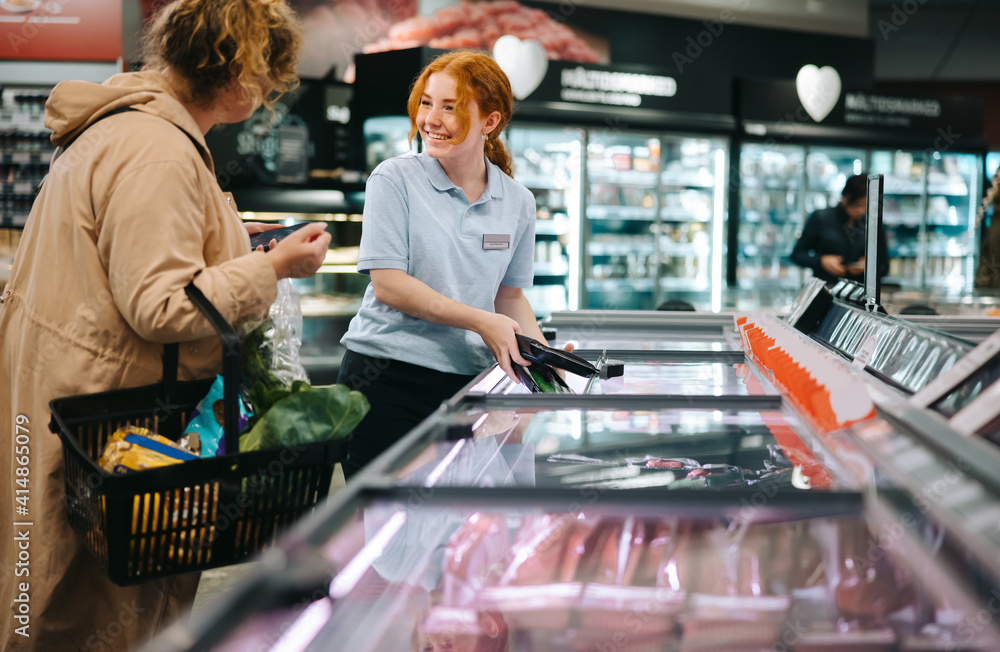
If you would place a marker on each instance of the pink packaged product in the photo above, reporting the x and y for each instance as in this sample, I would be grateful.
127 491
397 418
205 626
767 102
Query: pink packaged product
472 556
531 590
832 640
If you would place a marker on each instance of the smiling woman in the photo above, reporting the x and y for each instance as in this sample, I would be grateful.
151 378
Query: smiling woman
448 240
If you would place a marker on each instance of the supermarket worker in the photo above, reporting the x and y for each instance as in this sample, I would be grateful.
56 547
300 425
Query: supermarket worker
127 217
448 239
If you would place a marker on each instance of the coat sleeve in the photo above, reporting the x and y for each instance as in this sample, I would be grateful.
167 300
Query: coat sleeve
806 251
152 239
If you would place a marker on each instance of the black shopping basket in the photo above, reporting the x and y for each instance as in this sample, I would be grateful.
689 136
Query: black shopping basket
200 514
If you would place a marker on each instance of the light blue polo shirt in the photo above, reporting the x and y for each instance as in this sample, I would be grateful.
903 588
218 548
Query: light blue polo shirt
418 221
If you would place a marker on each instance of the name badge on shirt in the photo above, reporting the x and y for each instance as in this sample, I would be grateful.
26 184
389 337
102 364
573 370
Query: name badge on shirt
496 241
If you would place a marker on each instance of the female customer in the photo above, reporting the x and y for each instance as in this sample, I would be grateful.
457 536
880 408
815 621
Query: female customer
130 214
448 241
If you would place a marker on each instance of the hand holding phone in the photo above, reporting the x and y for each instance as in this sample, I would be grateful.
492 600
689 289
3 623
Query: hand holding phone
263 239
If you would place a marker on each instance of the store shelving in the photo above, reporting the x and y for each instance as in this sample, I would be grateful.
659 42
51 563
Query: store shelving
547 162
928 210
25 151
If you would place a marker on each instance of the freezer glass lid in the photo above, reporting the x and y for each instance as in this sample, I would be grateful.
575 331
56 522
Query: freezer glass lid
651 341
617 449
718 375
428 577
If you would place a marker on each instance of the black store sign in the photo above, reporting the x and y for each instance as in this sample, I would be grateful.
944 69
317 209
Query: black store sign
774 109
634 90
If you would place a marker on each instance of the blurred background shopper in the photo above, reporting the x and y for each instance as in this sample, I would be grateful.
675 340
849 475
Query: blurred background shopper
130 213
832 244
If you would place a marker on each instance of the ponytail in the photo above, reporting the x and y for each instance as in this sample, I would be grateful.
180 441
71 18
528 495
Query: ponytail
497 153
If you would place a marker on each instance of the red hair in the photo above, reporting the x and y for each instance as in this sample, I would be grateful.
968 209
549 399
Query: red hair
477 77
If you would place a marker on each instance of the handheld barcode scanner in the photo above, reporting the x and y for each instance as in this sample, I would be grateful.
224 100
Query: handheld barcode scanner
873 282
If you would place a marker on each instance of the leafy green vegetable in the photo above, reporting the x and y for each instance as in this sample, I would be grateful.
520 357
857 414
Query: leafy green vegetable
309 415
255 358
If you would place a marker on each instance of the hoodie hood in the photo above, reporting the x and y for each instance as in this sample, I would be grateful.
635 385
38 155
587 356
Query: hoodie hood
75 105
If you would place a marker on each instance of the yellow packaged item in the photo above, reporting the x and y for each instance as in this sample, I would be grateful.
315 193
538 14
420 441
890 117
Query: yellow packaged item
138 449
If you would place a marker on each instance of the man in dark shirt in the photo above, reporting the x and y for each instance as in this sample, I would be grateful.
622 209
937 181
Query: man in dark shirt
832 244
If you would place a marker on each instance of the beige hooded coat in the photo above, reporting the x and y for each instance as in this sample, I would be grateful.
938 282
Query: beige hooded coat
127 217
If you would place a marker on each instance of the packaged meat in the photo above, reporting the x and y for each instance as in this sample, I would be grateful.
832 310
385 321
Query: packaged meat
472 555
645 612
672 463
570 458
462 629
870 586
540 606
576 547
732 623
660 544
678 560
600 552
537 550
834 640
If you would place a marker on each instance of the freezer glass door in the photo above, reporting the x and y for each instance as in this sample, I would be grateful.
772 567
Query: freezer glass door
903 207
620 255
953 192
692 220
827 168
548 161
772 206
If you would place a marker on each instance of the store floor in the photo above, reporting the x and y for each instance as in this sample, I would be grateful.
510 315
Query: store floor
219 581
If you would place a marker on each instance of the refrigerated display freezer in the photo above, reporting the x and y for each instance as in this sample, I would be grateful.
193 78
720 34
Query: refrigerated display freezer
501 520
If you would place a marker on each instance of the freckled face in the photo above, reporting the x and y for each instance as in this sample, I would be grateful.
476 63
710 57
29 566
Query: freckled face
439 126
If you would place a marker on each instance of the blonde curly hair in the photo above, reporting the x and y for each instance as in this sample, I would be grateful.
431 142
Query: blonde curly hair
212 43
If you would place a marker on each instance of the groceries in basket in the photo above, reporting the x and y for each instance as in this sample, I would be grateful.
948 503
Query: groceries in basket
136 449
204 432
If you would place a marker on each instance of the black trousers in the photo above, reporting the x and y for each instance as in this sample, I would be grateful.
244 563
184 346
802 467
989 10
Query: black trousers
401 395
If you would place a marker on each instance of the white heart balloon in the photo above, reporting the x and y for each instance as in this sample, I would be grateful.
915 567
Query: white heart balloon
818 89
525 63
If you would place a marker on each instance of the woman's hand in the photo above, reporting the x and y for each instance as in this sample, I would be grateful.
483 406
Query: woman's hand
498 332
253 228
301 253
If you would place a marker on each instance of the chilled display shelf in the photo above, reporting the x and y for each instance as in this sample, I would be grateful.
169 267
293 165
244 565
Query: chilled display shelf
638 213
680 215
773 218
900 219
550 269
687 284
671 248
620 248
692 180
537 182
552 227
324 306
616 284
26 157
765 185
624 178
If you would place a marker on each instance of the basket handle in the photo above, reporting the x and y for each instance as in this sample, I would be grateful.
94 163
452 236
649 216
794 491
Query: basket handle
230 366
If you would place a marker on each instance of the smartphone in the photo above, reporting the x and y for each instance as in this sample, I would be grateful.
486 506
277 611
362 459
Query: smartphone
264 237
